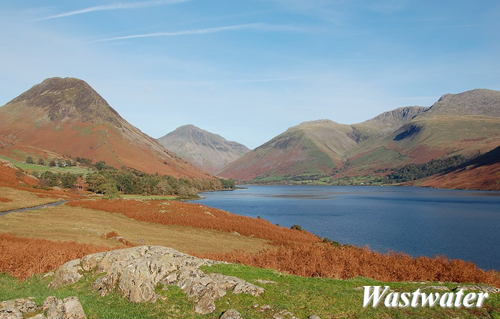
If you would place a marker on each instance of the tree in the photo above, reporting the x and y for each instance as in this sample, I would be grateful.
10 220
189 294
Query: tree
41 161
100 165
52 163
29 160
68 180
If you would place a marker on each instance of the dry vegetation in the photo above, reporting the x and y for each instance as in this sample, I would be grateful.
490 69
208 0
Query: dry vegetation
299 252
63 223
24 257
198 216
324 260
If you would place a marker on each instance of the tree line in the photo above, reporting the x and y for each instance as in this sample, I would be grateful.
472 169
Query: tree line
107 180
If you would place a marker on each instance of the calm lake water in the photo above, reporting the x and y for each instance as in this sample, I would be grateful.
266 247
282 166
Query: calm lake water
418 221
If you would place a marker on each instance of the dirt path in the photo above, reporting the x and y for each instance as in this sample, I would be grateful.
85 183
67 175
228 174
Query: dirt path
33 208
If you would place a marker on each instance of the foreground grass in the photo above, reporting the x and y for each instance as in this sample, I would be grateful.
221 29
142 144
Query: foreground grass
328 298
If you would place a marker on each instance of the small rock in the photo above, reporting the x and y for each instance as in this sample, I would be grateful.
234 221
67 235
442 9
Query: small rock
10 313
265 308
255 305
49 274
24 305
231 314
483 288
314 317
284 314
73 308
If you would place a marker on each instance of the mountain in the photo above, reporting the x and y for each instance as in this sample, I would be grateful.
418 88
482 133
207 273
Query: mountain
208 151
310 148
67 116
457 124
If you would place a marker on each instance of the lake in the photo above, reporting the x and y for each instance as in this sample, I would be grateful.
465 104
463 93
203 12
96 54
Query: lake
417 221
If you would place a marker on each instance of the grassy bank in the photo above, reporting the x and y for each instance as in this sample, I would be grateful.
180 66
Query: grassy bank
328 298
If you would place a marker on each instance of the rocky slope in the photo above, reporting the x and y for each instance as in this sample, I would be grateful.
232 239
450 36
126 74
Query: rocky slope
208 151
65 115
462 123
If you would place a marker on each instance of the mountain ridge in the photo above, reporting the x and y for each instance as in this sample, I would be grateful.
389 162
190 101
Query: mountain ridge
454 125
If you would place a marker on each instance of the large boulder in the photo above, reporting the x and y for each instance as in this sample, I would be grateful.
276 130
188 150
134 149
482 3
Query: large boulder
137 271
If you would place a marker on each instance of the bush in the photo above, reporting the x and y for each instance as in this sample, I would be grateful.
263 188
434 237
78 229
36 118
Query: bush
29 160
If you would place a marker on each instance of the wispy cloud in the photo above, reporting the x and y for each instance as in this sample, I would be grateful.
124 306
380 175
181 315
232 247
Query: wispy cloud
114 6
186 32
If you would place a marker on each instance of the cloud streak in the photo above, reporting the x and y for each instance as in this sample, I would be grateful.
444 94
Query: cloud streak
114 6
186 32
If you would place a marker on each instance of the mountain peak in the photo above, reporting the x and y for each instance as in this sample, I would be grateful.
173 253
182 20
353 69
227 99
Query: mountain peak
66 99
474 102
206 150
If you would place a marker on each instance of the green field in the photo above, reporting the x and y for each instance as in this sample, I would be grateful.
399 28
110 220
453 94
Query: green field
303 297
30 168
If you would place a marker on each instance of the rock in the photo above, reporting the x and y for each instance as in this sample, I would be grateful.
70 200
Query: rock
444 288
136 271
73 308
55 308
483 288
284 314
265 308
67 274
314 317
69 308
231 314
24 305
10 313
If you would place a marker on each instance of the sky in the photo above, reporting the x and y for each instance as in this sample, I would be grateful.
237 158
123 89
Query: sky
249 69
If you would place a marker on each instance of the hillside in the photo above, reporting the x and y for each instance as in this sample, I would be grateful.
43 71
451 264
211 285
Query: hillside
482 172
208 151
67 116
457 124
310 148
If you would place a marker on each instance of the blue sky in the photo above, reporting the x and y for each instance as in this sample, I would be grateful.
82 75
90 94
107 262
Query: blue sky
249 69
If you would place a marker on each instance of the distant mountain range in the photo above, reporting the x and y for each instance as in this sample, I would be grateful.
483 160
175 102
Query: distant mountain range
208 151
457 124
66 116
